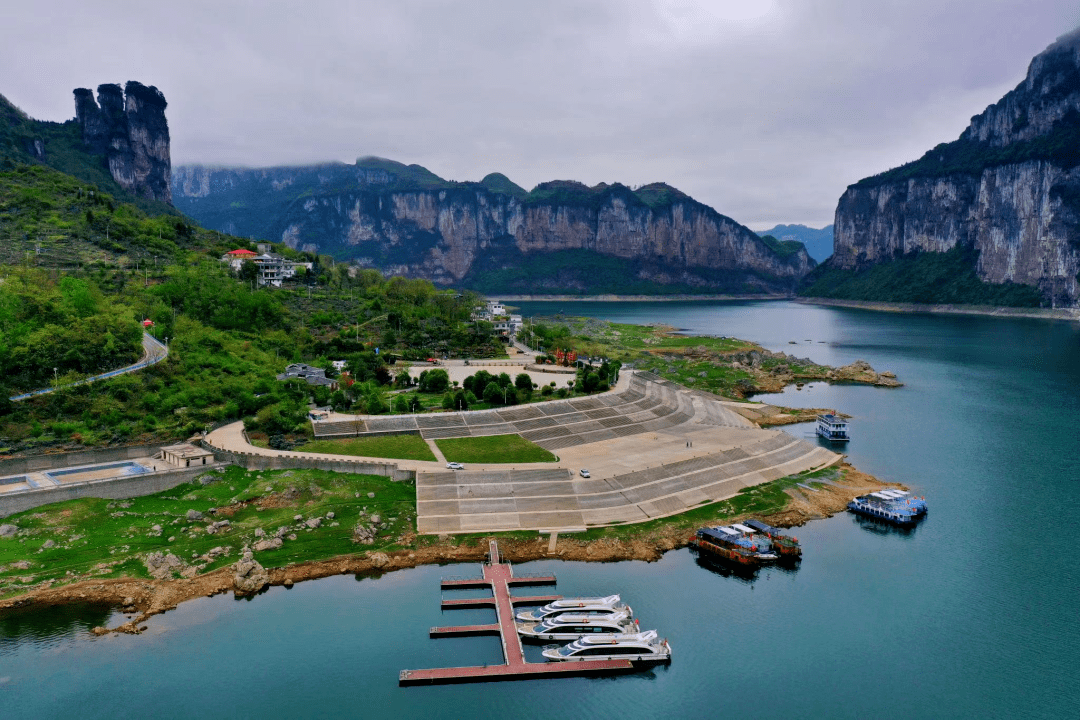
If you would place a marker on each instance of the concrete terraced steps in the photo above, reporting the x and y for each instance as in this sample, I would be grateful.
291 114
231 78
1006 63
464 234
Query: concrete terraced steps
449 502
648 404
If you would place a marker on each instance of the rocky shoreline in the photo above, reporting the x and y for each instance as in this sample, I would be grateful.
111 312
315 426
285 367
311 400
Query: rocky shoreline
1072 314
141 599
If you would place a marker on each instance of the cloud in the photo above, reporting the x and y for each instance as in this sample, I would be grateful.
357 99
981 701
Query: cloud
764 109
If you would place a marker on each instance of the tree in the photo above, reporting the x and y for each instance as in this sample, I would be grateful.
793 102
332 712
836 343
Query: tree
434 381
248 272
523 382
493 394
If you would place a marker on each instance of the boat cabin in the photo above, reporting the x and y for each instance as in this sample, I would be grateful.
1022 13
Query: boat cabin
832 427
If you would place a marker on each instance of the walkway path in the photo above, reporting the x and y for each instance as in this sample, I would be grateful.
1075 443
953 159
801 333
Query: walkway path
153 353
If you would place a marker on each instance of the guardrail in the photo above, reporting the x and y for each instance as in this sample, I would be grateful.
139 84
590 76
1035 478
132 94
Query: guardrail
154 359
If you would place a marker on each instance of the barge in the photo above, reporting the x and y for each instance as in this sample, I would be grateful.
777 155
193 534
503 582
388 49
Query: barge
786 546
738 544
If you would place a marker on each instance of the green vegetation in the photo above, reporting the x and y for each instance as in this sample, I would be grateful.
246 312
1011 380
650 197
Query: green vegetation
499 183
64 151
51 326
920 277
1060 146
102 538
493 449
587 272
783 248
398 447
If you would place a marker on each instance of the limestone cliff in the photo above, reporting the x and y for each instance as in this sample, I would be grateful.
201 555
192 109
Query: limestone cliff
1008 188
129 129
408 221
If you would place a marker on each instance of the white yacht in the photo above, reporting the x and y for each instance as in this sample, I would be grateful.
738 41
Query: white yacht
641 647
571 627
609 605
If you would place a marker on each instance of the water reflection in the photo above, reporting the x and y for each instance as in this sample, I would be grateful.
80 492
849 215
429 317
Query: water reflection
51 624
881 527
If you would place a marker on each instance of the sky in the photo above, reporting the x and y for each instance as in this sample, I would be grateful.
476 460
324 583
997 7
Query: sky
764 109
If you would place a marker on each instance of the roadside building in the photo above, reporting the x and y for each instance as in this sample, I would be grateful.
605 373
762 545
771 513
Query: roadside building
309 374
186 455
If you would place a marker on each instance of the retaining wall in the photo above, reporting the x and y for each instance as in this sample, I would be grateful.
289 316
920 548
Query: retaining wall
110 489
300 461
34 463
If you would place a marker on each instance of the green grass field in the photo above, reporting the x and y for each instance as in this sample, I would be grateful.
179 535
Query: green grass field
107 538
494 449
397 447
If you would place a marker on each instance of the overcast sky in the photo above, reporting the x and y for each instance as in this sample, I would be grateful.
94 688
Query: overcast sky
764 109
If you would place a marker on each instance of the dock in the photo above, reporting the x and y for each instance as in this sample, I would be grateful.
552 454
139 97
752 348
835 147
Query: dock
499 576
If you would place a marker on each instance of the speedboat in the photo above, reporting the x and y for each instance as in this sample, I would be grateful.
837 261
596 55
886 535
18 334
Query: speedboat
571 627
609 605
638 647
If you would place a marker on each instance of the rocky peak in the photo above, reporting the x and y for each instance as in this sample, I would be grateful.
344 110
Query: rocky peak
1046 97
128 127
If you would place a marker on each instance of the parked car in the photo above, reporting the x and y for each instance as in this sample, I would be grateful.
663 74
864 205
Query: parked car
454 466
584 473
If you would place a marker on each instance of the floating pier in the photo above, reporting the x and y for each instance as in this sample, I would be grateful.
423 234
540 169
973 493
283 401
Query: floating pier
499 576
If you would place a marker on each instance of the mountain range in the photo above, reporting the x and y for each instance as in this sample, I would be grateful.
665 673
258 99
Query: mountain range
493 235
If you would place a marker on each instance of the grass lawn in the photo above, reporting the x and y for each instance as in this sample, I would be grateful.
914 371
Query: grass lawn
494 449
397 447
79 539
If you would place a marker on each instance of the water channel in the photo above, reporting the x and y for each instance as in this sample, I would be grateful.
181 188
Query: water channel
972 614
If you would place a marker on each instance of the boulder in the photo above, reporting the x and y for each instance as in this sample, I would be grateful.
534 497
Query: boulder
270 544
371 495
329 516
48 544
249 576
8 530
193 515
162 565
313 523
259 532
379 559
20 565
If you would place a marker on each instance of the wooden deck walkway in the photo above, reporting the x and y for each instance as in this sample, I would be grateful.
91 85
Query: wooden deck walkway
499 577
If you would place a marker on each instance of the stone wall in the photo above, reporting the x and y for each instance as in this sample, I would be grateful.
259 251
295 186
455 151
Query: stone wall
300 461
35 463
111 489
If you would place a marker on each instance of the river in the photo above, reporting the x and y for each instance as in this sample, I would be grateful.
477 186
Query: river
972 614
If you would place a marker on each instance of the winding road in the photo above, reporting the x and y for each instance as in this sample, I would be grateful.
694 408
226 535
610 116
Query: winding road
153 353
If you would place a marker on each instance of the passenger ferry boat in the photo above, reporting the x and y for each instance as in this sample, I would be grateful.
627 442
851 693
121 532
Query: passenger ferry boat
786 546
832 427
738 543
609 605
643 647
571 627
893 506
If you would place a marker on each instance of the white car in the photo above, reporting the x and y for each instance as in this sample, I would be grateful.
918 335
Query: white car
584 473
454 466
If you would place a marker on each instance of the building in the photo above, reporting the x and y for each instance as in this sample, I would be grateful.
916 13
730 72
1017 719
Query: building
495 313
186 455
273 269
311 375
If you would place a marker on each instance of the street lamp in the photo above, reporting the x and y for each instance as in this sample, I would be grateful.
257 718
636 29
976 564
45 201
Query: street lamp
55 378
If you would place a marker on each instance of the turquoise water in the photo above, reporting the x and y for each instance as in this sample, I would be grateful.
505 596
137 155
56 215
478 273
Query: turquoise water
972 614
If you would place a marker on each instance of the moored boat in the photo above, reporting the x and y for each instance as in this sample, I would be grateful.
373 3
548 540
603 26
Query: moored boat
642 647
832 427
571 627
608 605
786 546
737 543
895 506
